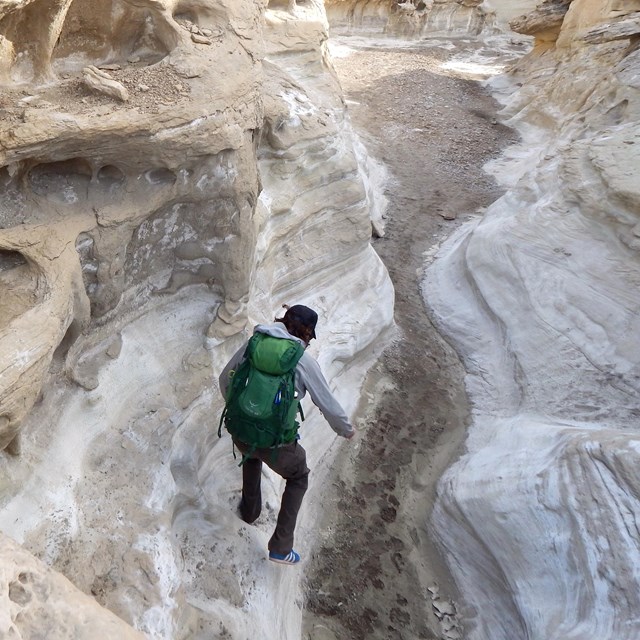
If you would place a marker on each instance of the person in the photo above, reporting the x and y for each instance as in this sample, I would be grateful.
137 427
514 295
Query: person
290 462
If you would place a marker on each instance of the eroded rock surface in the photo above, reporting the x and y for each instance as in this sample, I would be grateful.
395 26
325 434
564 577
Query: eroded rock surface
541 298
139 239
544 21
154 195
40 603
413 18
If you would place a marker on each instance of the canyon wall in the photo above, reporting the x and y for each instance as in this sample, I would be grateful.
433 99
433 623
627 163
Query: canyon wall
507 10
173 171
540 297
411 19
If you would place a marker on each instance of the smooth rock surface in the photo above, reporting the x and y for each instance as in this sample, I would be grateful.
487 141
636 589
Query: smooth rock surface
540 298
139 242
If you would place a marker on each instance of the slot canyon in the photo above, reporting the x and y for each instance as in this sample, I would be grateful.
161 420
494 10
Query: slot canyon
452 185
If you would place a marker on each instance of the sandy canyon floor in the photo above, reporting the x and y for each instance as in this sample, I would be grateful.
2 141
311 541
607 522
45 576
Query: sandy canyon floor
422 112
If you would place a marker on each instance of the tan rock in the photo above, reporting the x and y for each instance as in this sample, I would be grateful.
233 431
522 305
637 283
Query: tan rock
585 15
622 29
7 56
198 39
102 82
41 24
163 221
47 299
544 22
38 602
412 18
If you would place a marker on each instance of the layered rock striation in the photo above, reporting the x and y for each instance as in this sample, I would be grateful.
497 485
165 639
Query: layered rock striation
410 19
172 172
540 297
109 203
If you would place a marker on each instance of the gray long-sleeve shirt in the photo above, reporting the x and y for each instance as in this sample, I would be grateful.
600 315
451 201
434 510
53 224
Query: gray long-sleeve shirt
308 377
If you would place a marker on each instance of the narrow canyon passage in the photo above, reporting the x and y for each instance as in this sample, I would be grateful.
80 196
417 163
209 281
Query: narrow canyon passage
173 172
433 129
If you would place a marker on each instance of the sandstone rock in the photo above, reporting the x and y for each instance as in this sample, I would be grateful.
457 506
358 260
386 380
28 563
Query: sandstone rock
7 56
619 8
198 39
544 22
322 632
411 18
43 24
14 448
443 608
42 302
628 27
115 347
575 199
102 82
287 5
377 229
507 10
160 222
38 602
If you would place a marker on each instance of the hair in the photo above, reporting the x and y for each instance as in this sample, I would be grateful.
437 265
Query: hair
296 328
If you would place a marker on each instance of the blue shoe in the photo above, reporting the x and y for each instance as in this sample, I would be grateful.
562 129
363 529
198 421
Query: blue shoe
288 558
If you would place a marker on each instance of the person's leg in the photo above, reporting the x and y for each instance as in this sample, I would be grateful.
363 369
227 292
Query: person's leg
251 501
290 462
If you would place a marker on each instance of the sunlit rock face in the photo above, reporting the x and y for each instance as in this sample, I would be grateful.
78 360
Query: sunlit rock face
172 172
413 18
541 297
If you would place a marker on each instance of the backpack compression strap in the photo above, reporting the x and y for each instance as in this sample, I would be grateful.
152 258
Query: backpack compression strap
232 375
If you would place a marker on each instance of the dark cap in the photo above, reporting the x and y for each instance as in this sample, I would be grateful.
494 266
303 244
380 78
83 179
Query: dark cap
304 315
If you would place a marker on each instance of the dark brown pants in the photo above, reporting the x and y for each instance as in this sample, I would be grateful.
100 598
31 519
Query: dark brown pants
289 462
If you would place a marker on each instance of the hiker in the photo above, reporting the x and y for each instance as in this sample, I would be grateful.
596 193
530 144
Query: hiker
284 341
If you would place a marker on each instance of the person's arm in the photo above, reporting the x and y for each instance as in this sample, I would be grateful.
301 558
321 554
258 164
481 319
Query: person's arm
225 376
315 383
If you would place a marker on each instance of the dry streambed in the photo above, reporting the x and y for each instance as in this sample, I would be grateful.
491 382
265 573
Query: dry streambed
376 573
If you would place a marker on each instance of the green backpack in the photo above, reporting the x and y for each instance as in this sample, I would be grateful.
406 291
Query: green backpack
261 406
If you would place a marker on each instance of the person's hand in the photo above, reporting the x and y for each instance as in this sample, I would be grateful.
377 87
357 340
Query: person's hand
350 436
